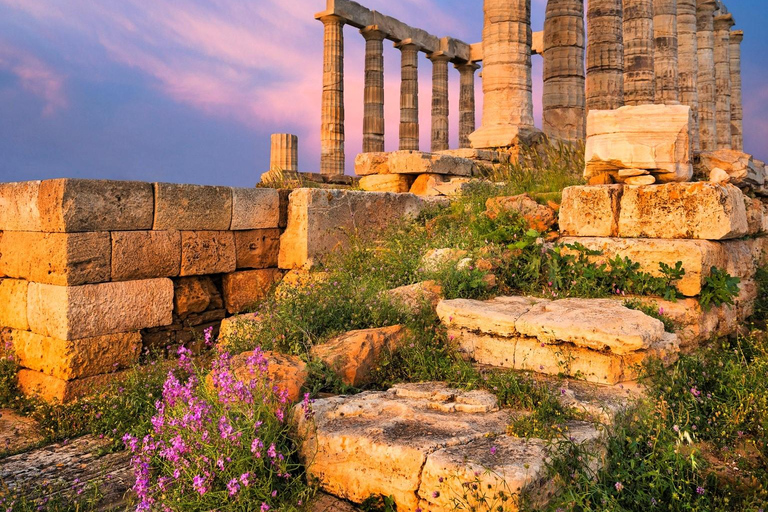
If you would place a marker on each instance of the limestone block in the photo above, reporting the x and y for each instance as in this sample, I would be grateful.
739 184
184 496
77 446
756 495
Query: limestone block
700 210
288 373
398 183
75 359
425 184
454 187
319 221
192 207
257 248
56 258
54 390
436 259
414 297
417 162
234 327
145 254
73 205
19 206
193 295
246 288
651 137
255 208
367 164
354 355
590 211
207 252
497 317
13 304
538 217
741 167
75 312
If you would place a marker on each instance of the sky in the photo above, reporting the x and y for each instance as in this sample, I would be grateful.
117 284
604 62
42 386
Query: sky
189 91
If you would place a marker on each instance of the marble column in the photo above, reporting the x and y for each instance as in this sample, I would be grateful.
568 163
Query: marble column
440 104
466 102
688 62
666 52
284 154
508 100
723 26
639 68
373 116
409 95
605 55
564 100
332 129
705 16
737 109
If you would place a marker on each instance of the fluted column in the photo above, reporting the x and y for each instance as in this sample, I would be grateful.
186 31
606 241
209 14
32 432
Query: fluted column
440 105
605 55
688 62
284 154
508 100
737 110
666 51
409 95
564 98
723 26
373 116
705 12
332 129
466 102
639 69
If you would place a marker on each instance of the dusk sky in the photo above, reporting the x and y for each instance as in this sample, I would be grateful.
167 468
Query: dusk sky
189 91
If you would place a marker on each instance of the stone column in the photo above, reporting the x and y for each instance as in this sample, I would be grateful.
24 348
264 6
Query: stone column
688 62
466 102
737 110
564 99
605 55
666 52
440 105
409 96
373 116
639 68
723 26
508 100
285 152
705 12
332 129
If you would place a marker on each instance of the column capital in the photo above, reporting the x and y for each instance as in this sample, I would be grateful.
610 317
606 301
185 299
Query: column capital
373 33
724 22
330 18
737 36
467 66
407 44
704 6
439 57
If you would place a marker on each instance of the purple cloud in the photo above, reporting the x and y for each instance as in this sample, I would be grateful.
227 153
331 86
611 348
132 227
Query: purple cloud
35 77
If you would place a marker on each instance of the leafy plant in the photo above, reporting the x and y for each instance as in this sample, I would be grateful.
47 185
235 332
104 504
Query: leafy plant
719 288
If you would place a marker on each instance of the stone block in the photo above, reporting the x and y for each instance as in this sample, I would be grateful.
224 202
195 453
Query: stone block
194 295
651 137
13 300
192 207
66 259
757 216
741 168
425 184
397 183
246 288
54 390
590 211
75 312
19 206
288 373
415 297
255 208
207 252
536 216
367 164
320 221
707 211
74 205
258 248
417 162
497 317
145 254
75 359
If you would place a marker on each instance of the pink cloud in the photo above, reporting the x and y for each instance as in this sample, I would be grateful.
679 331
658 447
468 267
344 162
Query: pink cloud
35 77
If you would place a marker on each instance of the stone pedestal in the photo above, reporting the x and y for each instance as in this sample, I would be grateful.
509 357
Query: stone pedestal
639 67
723 26
373 117
466 102
508 102
439 102
605 55
705 10
688 62
284 152
737 110
666 53
332 128
409 96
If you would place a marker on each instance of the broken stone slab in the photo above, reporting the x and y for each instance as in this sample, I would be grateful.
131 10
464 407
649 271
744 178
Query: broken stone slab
498 316
257 248
414 297
395 183
255 208
590 211
13 297
19 206
702 210
640 181
207 252
652 137
145 255
17 433
354 355
412 162
76 312
740 167
192 207
247 287
425 184
538 217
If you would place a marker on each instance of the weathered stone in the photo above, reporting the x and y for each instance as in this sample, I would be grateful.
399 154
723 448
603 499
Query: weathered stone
719 176
397 183
73 205
299 279
192 207
631 173
194 295
453 188
640 181
13 297
74 359
425 185
145 254
740 167
246 288
327 503
367 164
75 312
56 258
257 248
435 259
54 390
683 210
590 211
17 433
288 373
757 216
322 220
653 137
538 217
255 208
19 206
207 252
234 327
415 296
412 163
354 355
498 316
